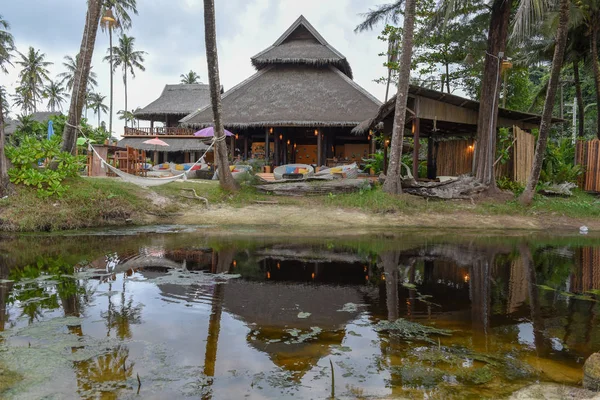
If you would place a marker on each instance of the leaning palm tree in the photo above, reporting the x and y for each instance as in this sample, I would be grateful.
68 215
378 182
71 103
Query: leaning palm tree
127 58
190 78
115 15
68 77
6 48
540 149
96 103
82 73
210 37
56 95
34 73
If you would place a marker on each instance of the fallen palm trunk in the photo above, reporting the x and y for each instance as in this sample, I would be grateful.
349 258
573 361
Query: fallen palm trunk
463 187
304 188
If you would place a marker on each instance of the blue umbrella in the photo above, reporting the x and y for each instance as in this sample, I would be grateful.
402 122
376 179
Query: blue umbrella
50 129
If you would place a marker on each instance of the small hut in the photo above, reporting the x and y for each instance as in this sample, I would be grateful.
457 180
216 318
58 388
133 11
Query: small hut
449 122
299 106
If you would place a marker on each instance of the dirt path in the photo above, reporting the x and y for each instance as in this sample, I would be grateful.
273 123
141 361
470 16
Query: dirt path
336 219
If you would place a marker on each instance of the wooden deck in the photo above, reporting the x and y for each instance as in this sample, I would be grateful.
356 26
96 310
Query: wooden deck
159 131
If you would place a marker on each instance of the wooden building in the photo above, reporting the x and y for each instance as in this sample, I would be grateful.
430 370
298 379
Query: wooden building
449 123
300 105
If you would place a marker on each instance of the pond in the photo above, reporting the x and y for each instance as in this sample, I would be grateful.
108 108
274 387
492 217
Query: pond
191 312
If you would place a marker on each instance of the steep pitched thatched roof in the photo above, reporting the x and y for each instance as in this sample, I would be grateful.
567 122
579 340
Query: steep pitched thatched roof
302 44
292 95
388 108
175 144
176 100
44 116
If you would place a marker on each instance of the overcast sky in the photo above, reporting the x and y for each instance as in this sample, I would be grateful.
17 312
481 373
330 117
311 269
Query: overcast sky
172 33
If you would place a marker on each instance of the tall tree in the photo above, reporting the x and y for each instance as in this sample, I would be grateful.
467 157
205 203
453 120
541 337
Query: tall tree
540 149
34 73
82 73
126 116
210 36
125 56
55 93
68 77
190 78
115 15
96 103
4 101
393 180
589 11
6 48
22 99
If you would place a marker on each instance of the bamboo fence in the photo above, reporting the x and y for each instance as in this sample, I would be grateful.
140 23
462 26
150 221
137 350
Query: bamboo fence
586 273
454 157
588 156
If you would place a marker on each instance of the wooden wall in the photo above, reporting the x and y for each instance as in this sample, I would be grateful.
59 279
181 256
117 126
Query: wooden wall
454 157
588 156
523 154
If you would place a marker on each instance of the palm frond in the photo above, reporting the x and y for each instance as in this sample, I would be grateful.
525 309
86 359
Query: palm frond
383 13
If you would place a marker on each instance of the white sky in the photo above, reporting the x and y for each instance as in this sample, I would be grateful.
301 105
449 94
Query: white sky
172 33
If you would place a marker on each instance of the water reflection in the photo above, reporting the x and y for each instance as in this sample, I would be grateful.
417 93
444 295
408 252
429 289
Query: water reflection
170 308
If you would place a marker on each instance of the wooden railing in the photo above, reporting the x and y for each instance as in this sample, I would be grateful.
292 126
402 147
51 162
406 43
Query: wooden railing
158 131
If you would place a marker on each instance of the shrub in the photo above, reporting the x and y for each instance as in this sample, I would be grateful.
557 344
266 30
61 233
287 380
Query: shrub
32 152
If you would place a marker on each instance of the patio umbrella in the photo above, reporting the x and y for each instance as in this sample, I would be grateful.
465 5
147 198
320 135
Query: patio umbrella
50 129
210 132
156 142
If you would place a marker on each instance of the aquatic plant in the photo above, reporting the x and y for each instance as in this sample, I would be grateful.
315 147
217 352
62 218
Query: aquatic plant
409 331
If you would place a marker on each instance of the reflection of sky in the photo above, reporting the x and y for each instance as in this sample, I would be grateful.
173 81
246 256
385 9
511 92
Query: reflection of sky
526 334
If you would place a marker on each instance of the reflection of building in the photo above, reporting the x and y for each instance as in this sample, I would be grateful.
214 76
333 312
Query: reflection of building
586 274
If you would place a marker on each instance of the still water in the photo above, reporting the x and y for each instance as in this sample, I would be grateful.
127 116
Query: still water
174 312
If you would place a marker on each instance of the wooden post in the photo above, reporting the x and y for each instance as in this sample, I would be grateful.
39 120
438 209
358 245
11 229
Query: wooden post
246 146
319 148
267 146
372 142
385 155
430 162
416 127
276 148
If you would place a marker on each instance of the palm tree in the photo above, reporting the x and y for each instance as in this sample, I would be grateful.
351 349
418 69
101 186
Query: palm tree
127 58
540 149
210 37
126 116
115 14
392 182
68 77
22 99
55 93
34 73
4 101
6 48
96 103
84 65
190 78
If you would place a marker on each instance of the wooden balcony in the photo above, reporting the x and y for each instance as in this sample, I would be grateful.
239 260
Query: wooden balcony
158 131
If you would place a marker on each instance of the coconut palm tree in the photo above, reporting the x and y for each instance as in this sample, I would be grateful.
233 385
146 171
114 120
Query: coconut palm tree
126 116
4 101
55 93
190 78
34 73
96 103
127 58
22 99
68 76
82 73
540 149
6 49
210 37
115 15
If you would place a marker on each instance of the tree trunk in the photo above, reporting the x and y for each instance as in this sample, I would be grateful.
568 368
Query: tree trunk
447 78
111 78
579 96
392 182
540 150
210 35
488 102
80 81
4 180
98 118
596 74
125 82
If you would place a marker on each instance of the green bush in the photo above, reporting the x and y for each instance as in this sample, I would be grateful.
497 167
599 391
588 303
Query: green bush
375 162
26 171
505 183
558 164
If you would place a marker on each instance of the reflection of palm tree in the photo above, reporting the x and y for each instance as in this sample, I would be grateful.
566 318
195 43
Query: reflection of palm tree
122 318
109 370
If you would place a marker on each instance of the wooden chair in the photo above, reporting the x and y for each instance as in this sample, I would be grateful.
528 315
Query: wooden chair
122 160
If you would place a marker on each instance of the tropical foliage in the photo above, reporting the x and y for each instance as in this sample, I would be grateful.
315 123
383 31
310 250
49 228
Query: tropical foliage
33 76
189 78
96 103
56 94
68 76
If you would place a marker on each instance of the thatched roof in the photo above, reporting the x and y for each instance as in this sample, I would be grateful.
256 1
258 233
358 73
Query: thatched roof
44 116
10 126
292 95
302 44
176 100
175 144
416 91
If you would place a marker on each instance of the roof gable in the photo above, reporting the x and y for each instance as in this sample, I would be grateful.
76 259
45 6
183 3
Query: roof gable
177 100
301 43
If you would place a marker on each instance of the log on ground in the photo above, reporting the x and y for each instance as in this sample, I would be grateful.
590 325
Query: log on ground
464 187
304 188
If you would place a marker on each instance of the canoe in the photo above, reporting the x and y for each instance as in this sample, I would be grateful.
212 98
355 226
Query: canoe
293 171
349 171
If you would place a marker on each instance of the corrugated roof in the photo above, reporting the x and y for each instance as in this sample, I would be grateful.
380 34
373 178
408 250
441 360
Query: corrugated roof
292 95
177 100
175 144
302 44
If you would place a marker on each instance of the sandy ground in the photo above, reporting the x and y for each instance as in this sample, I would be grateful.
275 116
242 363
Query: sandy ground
299 217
